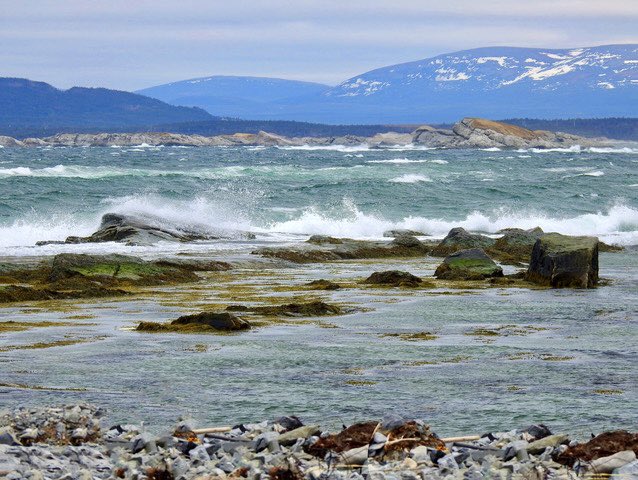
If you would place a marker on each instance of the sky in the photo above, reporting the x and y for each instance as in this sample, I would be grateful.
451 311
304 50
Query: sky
133 44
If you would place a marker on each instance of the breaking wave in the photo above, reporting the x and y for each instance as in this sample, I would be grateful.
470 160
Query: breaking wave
411 178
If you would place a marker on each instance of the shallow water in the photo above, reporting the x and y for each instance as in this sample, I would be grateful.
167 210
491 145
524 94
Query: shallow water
582 341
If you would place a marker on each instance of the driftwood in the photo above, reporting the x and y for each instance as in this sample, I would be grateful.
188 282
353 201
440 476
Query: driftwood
467 438
201 431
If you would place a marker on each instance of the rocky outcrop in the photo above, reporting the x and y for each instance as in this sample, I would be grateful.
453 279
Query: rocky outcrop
468 133
472 264
515 246
460 239
482 133
562 261
147 229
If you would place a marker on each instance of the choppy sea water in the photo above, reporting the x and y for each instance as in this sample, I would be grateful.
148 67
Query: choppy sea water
575 369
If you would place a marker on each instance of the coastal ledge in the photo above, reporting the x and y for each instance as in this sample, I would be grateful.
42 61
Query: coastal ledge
467 133
68 442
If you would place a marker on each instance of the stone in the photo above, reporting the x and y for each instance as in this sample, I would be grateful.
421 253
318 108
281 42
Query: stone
324 239
395 278
612 462
629 470
8 437
407 241
289 438
552 441
219 321
562 261
515 246
472 264
354 456
400 232
460 239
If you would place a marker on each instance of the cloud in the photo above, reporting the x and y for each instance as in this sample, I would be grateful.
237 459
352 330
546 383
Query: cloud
133 44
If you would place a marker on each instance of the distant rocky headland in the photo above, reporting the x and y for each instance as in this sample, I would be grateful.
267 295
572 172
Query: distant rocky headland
467 133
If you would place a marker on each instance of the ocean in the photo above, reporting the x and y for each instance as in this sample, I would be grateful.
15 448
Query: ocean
573 367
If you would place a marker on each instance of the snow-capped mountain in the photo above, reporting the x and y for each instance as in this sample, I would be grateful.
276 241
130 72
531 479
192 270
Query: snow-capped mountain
493 82
501 68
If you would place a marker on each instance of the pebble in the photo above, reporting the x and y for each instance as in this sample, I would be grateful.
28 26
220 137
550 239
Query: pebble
73 446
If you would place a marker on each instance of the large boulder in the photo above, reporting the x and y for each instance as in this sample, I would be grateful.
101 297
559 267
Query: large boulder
472 264
561 261
516 244
460 239
149 229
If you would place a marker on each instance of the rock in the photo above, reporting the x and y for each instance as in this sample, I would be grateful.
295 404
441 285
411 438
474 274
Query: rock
562 261
219 321
289 438
10 142
149 229
516 244
408 241
472 264
603 445
309 309
355 456
629 470
539 446
402 232
323 285
460 239
8 437
612 462
324 239
538 431
395 278
289 423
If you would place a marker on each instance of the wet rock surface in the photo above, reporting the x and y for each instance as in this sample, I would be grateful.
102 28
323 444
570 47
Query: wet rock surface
562 261
73 441
460 239
394 278
472 264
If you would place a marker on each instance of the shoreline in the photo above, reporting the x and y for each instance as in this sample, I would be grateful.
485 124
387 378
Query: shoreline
467 133
73 440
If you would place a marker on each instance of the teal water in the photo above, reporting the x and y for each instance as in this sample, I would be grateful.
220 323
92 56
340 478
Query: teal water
48 194
581 343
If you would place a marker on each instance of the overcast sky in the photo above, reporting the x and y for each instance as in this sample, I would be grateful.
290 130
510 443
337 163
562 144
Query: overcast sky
132 44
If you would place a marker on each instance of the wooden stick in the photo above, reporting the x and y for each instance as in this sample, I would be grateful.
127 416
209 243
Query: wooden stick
402 440
468 438
201 431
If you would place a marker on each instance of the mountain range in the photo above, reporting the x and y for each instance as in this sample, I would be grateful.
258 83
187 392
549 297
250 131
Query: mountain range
30 107
492 82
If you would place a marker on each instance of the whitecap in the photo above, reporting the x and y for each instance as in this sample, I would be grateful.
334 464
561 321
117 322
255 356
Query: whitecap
411 178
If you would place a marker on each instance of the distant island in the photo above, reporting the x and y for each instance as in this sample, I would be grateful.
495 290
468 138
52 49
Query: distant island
467 133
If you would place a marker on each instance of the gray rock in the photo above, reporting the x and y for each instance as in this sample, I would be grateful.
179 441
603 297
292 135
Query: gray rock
612 462
460 239
471 264
289 438
627 471
550 441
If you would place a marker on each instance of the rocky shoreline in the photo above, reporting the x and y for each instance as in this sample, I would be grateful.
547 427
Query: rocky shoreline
75 442
467 133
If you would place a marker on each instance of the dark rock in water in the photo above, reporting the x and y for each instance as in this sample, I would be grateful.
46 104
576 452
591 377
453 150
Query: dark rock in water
472 264
149 229
310 309
460 239
516 244
323 285
289 423
401 232
220 321
604 247
538 431
395 278
324 239
562 261
408 241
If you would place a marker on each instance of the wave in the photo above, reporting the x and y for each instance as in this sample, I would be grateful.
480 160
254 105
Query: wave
399 161
411 178
619 225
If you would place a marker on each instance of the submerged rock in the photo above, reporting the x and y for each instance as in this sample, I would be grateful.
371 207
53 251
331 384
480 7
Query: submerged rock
562 261
323 285
309 309
460 239
471 264
220 321
395 278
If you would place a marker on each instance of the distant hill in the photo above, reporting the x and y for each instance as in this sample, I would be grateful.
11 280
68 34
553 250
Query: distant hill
38 108
614 128
492 82
247 97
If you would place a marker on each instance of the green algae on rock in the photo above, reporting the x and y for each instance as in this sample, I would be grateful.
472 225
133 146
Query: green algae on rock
562 261
472 264
395 278
460 239
308 309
